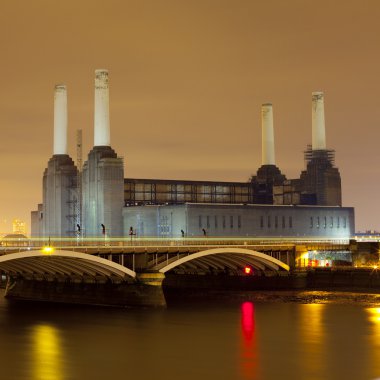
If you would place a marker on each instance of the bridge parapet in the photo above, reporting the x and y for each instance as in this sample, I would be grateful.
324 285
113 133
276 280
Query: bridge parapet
172 242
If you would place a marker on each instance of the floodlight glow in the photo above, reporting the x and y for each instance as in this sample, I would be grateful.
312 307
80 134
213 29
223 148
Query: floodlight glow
48 250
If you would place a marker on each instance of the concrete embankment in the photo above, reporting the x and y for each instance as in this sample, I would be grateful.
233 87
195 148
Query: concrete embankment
314 278
137 293
355 278
153 289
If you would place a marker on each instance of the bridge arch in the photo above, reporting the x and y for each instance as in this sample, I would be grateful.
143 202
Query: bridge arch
228 257
62 264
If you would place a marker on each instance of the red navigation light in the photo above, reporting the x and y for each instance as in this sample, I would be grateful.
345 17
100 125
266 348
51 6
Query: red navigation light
247 270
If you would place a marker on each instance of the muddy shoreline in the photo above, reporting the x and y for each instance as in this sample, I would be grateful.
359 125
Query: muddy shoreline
360 297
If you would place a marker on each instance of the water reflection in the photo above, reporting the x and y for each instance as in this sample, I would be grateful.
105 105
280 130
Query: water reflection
312 334
248 354
47 353
373 315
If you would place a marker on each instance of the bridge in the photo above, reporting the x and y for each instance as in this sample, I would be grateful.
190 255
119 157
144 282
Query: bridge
141 262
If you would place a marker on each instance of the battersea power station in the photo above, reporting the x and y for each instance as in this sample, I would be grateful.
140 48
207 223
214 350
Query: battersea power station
97 200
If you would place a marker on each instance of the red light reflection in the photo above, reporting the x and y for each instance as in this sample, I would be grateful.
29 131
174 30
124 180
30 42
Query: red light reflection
247 320
248 354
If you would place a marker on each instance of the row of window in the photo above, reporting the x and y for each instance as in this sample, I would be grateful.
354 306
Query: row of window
164 226
325 222
207 221
276 221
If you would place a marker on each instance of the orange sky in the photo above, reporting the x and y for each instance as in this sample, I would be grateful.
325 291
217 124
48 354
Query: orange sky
187 80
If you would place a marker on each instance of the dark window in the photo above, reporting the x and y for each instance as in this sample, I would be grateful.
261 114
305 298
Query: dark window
344 222
200 221
239 221
261 221
331 222
231 221
311 222
276 221
216 221
338 224
224 221
324 222
208 221
317 221
290 222
269 221
283 222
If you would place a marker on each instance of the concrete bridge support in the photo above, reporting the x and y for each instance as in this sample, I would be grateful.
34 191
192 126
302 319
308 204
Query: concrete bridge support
123 294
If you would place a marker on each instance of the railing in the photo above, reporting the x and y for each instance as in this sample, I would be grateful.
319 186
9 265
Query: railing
154 241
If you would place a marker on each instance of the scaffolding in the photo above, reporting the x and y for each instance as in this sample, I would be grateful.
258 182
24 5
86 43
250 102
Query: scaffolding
326 156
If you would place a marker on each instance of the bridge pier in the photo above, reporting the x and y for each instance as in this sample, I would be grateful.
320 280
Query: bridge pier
145 291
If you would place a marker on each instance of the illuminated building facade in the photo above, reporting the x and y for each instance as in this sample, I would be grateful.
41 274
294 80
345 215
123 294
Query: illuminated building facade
18 226
267 204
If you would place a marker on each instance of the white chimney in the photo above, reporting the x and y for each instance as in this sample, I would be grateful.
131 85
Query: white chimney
318 121
60 119
101 119
267 135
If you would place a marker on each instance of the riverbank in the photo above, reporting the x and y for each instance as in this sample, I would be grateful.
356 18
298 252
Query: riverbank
363 297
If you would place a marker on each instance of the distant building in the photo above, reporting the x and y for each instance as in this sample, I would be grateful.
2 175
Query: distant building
19 227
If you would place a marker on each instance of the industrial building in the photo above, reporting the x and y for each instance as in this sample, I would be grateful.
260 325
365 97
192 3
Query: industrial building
84 202
97 200
202 219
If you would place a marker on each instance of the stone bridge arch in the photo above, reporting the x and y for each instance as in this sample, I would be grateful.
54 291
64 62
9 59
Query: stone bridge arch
57 264
226 257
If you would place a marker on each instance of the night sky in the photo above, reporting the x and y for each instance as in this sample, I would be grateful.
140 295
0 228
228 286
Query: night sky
187 80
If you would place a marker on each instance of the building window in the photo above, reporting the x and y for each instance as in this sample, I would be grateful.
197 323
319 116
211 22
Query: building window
216 221
317 221
200 221
239 221
276 221
344 222
290 222
338 222
231 221
269 221
324 222
224 221
331 222
208 221
283 222
311 222
261 221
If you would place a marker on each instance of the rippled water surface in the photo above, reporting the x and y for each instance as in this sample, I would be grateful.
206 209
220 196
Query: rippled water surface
213 339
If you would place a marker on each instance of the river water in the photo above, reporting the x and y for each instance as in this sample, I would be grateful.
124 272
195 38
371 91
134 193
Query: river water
241 336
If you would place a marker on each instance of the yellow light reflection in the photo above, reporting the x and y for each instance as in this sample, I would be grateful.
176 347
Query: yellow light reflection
312 337
374 317
47 355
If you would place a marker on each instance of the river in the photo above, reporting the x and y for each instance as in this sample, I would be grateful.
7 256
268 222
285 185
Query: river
240 336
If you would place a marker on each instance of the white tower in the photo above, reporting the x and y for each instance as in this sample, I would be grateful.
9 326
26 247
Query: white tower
318 121
60 177
101 116
60 120
267 135
103 173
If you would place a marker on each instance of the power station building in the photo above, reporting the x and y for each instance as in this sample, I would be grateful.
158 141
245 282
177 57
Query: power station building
87 203
99 200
